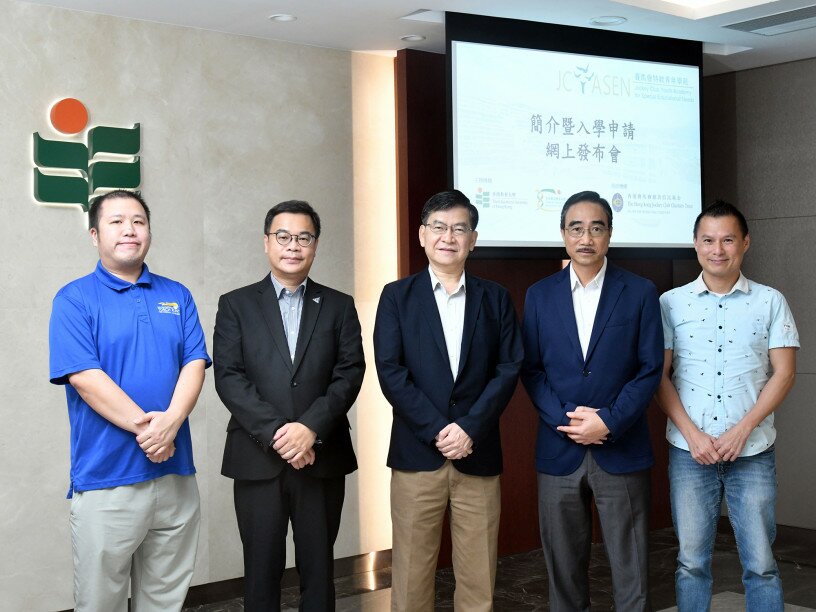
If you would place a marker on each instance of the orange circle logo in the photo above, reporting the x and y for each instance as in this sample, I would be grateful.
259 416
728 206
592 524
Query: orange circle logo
69 116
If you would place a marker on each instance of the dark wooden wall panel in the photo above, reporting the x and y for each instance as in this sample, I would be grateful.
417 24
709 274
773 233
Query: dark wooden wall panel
422 151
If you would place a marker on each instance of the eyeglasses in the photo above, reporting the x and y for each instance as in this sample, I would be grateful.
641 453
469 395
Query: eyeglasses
282 237
439 228
595 231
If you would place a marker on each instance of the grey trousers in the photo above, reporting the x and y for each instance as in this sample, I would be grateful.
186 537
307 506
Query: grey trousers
566 534
145 535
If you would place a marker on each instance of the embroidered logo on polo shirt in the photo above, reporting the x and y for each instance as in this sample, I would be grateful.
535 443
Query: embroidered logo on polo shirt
169 308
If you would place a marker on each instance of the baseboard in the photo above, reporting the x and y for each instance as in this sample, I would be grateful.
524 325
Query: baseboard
225 590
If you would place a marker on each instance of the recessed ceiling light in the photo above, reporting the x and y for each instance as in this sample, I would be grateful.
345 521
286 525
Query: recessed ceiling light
412 38
283 17
606 21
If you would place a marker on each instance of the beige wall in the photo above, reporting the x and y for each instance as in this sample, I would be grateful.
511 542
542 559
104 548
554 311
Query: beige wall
230 126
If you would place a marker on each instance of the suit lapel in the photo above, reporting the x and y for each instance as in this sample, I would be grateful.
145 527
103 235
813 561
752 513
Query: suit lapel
566 311
430 312
612 288
312 303
473 304
271 314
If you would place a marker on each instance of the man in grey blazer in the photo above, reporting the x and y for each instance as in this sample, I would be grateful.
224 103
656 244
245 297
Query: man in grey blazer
288 362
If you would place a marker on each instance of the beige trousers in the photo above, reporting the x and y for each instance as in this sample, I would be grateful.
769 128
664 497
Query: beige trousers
418 504
145 534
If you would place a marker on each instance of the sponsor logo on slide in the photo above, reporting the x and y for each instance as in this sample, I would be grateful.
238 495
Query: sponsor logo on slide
617 202
548 198
482 198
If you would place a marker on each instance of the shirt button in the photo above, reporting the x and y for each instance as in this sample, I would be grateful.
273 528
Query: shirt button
718 397
720 305
138 299
720 326
719 350
719 373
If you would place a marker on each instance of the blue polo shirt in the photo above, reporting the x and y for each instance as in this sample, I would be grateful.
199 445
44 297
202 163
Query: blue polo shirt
140 335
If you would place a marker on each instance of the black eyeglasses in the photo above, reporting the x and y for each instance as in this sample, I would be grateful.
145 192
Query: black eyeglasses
282 237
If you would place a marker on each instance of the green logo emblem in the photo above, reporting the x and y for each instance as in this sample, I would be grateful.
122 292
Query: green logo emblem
70 172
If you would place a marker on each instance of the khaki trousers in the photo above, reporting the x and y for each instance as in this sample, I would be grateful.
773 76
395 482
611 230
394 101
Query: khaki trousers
418 504
145 534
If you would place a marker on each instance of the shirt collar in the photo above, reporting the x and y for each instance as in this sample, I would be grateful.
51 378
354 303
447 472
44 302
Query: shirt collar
699 285
435 282
595 283
119 284
279 288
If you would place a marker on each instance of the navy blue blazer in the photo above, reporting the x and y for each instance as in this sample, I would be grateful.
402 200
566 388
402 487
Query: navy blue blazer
415 375
619 376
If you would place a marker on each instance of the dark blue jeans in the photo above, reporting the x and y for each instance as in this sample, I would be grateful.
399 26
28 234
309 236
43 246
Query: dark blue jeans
749 486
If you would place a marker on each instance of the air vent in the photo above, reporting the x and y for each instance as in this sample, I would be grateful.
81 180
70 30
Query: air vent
781 23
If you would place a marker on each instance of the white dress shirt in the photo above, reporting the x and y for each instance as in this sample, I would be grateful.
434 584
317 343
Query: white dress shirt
585 303
452 313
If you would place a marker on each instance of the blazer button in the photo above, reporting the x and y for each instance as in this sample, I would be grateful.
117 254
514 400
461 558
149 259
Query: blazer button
294 384
586 373
453 404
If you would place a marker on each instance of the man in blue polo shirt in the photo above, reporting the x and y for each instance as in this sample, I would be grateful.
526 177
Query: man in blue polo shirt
129 348
732 345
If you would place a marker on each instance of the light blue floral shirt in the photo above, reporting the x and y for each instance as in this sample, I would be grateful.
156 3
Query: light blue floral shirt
721 361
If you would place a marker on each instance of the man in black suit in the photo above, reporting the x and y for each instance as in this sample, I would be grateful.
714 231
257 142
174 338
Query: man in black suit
288 362
448 352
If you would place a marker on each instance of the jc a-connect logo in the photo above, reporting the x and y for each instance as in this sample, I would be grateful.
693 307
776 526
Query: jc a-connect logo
72 169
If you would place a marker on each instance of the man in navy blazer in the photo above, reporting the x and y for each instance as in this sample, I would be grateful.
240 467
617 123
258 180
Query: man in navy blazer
448 352
593 358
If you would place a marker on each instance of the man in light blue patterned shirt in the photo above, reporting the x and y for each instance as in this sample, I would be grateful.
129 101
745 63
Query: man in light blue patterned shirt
731 344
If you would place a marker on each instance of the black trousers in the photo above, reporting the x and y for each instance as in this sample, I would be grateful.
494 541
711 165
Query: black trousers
566 535
264 509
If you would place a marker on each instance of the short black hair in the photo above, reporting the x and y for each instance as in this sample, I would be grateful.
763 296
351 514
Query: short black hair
586 196
721 208
96 205
445 200
297 207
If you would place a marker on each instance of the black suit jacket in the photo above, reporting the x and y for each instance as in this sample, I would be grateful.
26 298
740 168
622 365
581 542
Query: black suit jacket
263 389
415 375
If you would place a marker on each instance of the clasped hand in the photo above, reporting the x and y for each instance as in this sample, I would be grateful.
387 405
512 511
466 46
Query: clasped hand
294 442
157 435
453 442
585 426
708 450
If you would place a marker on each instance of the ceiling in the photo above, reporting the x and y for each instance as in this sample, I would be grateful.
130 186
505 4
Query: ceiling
376 25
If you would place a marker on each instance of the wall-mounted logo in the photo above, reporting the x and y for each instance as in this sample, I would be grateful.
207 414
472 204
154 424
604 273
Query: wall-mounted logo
72 171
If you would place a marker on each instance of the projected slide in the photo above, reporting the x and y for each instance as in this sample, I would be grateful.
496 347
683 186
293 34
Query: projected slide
531 127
